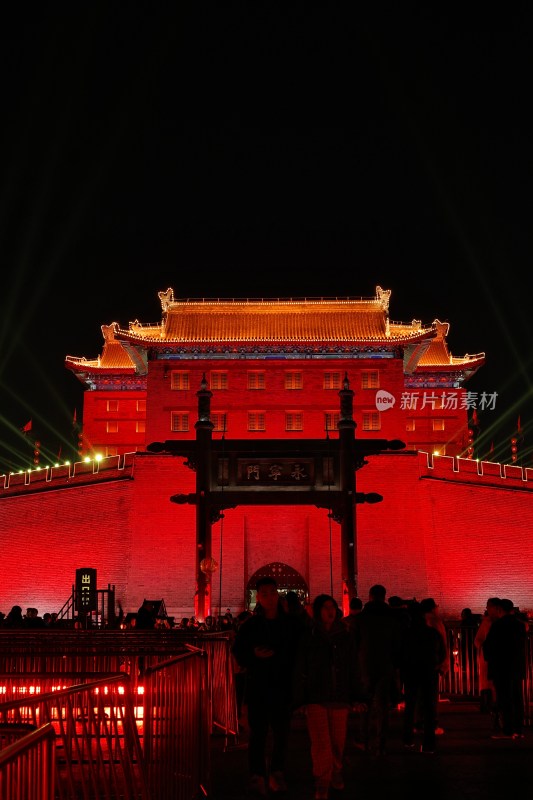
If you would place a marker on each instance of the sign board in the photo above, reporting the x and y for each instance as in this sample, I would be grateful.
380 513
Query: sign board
86 599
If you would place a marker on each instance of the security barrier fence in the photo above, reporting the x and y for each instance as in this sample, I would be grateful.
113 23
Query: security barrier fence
28 762
176 727
145 707
97 752
462 679
59 657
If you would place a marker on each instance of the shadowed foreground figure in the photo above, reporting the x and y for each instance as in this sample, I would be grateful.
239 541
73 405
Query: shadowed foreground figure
325 684
377 633
505 651
265 646
423 651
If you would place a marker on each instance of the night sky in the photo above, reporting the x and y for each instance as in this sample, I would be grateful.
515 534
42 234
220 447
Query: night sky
236 150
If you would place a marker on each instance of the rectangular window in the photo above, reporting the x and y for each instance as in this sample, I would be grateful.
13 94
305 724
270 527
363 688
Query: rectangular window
293 380
111 451
140 426
179 422
112 405
331 420
179 380
294 421
141 405
256 421
219 380
332 380
438 424
370 379
220 421
371 421
112 426
256 379
410 425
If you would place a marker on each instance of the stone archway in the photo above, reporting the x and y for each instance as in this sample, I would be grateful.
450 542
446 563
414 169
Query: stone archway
287 578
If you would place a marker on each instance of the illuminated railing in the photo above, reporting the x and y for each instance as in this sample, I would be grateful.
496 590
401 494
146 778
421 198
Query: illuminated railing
177 727
186 699
98 751
67 654
27 762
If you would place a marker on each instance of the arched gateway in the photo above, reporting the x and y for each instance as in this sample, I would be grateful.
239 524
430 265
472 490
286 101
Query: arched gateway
287 578
274 472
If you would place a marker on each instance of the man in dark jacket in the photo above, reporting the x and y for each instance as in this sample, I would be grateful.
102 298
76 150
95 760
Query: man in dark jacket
505 652
378 640
265 646
423 653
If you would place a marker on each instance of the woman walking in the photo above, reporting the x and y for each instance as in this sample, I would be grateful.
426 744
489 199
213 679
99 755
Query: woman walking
325 684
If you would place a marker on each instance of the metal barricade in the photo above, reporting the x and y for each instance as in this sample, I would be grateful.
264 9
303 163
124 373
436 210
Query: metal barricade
224 714
177 727
98 751
462 679
27 765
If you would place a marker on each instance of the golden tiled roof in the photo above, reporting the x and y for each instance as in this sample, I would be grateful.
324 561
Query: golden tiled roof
277 321
438 355
291 321
114 355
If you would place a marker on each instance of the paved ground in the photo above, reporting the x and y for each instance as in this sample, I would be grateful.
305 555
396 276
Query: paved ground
468 765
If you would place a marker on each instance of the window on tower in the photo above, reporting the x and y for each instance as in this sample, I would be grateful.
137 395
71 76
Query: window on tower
371 421
219 380
220 421
256 421
179 422
332 380
179 380
331 420
370 379
256 379
294 421
293 380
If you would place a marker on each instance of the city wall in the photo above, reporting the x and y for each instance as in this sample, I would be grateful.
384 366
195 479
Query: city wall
453 529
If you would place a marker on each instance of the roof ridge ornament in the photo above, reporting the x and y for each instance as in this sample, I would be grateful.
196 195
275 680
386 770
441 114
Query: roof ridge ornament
442 328
383 298
167 298
108 331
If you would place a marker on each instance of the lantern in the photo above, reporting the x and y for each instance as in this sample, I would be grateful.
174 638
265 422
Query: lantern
208 565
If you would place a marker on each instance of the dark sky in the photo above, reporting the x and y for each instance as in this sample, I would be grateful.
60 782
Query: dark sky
236 150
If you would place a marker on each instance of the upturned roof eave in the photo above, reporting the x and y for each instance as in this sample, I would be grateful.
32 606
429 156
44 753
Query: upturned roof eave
127 336
459 364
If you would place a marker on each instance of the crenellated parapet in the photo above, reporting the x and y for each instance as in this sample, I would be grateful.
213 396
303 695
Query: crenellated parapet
482 473
80 472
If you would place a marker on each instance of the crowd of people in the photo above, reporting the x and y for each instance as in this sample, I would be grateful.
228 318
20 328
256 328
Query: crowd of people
385 652
147 617
30 620
310 659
